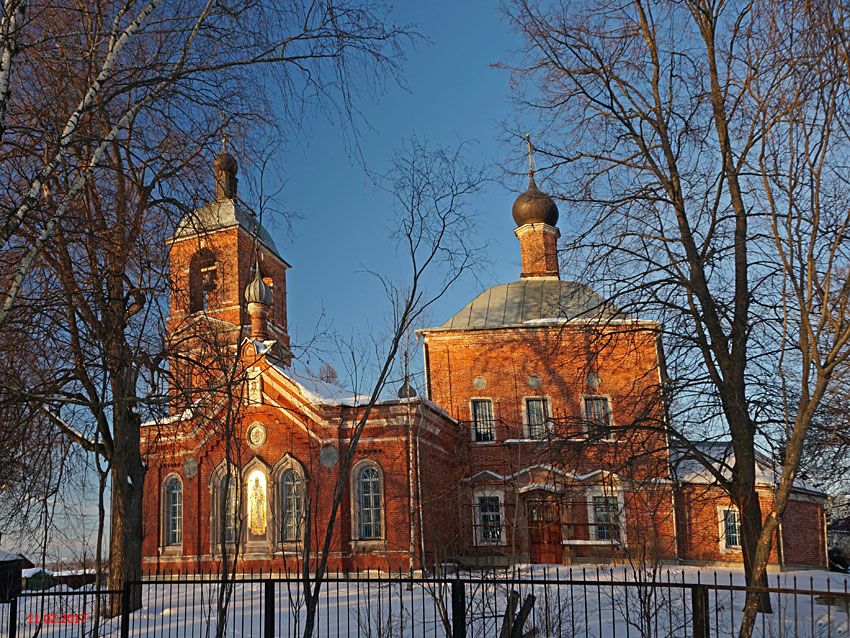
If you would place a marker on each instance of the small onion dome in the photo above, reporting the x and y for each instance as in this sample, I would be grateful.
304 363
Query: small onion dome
407 391
226 163
534 206
258 291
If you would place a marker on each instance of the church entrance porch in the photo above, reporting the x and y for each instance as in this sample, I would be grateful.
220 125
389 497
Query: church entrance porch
543 514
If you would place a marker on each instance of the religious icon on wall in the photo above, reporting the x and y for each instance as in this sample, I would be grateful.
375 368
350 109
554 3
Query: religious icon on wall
254 393
257 505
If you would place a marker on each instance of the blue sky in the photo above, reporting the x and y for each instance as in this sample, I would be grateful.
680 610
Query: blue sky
452 94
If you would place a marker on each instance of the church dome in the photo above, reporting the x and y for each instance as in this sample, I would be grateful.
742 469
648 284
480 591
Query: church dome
532 302
258 291
534 206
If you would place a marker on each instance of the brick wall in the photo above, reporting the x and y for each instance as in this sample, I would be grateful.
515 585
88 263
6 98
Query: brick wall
300 431
803 532
701 530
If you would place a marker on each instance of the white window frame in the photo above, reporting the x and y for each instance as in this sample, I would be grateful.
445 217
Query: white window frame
166 514
473 429
478 525
586 418
610 492
721 528
286 463
355 502
548 427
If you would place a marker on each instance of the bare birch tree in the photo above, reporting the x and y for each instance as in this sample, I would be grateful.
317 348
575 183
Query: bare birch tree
108 110
702 145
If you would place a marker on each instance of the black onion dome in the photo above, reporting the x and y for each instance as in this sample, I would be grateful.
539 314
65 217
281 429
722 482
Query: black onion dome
534 206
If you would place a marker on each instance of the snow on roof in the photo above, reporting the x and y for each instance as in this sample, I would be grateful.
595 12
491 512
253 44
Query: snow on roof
185 415
9 557
221 214
32 571
320 392
687 469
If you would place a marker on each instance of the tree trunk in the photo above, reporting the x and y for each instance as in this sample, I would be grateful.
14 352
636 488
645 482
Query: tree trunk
125 543
751 527
749 507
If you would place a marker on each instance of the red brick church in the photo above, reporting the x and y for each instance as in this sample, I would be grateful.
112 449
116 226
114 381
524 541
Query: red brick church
539 437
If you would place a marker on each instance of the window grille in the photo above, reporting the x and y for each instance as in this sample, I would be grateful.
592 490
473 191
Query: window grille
537 417
292 503
606 518
173 512
227 508
489 520
597 411
732 528
484 429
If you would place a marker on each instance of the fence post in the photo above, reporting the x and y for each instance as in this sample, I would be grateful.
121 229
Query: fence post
458 609
268 625
125 610
699 606
13 617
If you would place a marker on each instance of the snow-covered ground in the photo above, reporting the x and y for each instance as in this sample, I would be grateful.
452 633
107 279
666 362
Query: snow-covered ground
601 606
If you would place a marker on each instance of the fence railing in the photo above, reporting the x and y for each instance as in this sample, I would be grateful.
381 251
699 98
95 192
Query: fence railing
588 603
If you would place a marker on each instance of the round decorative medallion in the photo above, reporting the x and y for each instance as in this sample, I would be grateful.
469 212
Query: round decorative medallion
256 435
190 467
328 456
479 383
534 381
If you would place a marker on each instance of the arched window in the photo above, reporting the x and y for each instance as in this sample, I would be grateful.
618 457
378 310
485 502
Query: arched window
369 503
227 495
173 511
202 279
292 506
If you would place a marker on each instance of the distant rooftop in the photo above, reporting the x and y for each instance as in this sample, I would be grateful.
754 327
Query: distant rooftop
529 302
687 469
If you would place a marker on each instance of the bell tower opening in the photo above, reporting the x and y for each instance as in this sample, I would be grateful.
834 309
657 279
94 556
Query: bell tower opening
203 280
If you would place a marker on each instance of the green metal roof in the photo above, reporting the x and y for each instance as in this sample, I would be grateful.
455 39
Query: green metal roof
223 214
529 302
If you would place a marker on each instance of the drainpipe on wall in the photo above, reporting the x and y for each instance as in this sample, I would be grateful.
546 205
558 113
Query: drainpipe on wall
419 495
825 538
411 506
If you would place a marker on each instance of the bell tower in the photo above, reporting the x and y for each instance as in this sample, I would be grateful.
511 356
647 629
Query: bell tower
216 252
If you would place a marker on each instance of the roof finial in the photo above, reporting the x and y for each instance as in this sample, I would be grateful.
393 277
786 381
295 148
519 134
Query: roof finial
223 132
530 160
225 169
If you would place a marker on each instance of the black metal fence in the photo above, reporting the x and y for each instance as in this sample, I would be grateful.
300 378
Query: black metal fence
589 603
